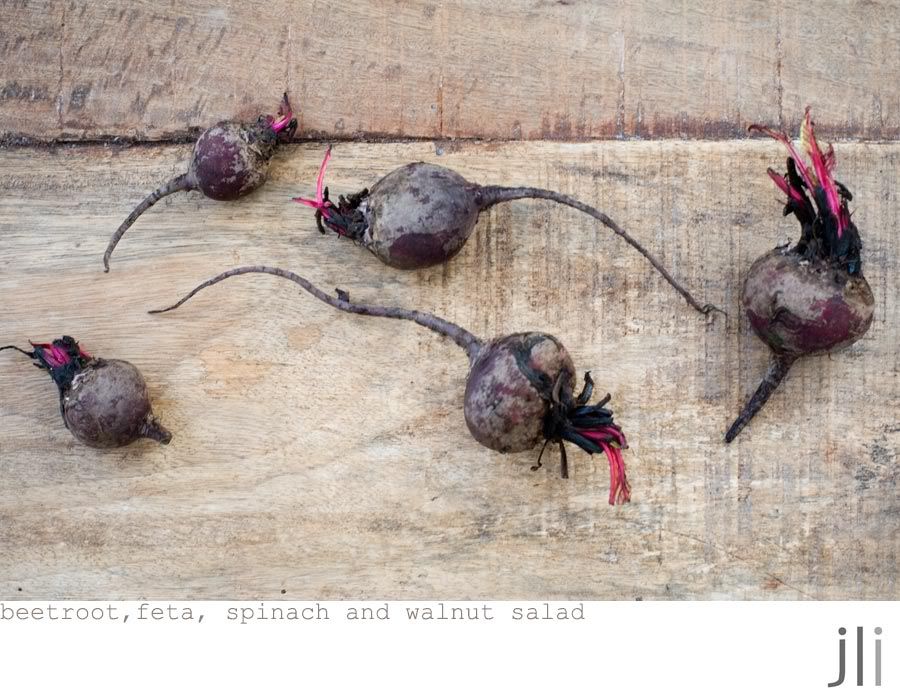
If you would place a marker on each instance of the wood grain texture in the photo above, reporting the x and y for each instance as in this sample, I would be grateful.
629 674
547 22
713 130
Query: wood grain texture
326 455
519 69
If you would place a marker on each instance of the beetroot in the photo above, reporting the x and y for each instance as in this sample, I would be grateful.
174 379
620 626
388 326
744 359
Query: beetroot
421 215
520 389
811 298
104 403
229 160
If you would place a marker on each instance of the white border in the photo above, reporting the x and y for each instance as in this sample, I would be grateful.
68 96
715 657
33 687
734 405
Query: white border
626 649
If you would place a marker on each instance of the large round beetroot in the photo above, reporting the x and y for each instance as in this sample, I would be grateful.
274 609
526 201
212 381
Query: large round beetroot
229 160
422 214
519 391
506 404
104 403
419 215
812 297
799 306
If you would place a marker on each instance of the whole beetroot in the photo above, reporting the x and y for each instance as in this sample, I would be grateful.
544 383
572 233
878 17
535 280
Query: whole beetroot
520 389
811 298
104 403
421 215
229 160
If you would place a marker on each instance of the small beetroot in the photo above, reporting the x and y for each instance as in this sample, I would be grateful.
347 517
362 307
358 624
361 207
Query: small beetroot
421 215
811 298
229 160
520 389
104 403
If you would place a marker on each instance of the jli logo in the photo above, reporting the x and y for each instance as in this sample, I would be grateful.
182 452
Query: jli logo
842 657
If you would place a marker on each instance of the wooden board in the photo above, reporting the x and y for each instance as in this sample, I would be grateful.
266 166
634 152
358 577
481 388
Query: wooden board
519 69
323 455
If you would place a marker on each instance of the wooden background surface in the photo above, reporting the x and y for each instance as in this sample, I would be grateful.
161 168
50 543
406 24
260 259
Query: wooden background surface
321 455
517 69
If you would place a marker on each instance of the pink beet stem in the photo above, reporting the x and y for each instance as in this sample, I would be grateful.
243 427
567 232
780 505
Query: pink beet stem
606 433
822 166
319 202
286 114
829 158
54 356
320 179
795 154
824 176
307 202
624 486
611 439
619 489
281 123
785 186
844 218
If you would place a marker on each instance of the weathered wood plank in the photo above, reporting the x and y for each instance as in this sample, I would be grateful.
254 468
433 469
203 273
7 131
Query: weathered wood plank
524 69
327 455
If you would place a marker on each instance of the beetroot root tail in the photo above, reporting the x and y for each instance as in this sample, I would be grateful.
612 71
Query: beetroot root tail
492 195
17 349
778 369
459 335
152 430
176 184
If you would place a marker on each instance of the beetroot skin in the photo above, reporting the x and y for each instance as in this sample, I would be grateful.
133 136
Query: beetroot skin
520 389
421 215
811 298
229 160
104 403
508 368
